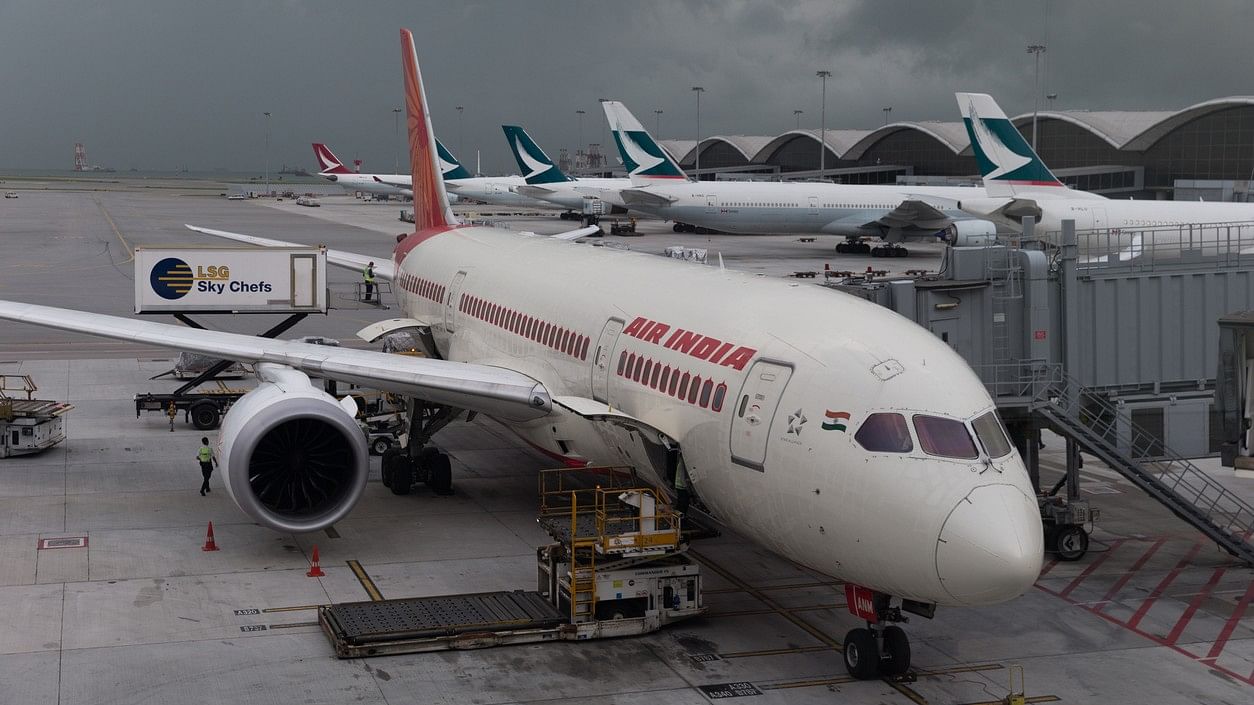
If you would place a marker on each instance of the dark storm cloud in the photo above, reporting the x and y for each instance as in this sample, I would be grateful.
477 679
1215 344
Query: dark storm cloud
159 85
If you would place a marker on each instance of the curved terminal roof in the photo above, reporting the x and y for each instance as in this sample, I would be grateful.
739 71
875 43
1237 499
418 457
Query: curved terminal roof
1122 129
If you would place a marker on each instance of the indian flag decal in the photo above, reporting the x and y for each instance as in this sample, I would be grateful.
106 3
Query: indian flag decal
835 420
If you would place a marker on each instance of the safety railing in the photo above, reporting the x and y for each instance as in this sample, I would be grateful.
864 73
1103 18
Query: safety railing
1149 248
1135 453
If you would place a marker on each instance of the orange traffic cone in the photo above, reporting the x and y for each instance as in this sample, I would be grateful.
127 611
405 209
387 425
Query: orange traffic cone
315 570
210 545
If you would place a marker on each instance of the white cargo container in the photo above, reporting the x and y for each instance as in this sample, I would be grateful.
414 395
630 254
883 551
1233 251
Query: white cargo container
230 280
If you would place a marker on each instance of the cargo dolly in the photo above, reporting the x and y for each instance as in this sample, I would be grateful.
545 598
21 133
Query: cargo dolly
617 567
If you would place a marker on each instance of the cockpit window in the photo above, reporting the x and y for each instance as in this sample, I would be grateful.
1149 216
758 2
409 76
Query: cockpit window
884 433
992 437
947 438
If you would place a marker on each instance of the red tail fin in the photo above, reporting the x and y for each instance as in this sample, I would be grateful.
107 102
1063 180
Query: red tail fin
328 163
431 209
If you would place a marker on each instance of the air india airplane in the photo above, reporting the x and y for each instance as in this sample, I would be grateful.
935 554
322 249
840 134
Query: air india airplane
823 427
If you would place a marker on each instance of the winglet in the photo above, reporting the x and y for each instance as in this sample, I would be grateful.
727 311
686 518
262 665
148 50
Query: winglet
431 208
452 168
645 159
535 165
328 163
1007 162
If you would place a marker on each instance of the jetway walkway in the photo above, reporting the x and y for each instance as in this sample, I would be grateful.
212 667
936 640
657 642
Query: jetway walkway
1091 420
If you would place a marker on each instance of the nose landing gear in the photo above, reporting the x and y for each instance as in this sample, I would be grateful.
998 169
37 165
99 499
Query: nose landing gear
881 649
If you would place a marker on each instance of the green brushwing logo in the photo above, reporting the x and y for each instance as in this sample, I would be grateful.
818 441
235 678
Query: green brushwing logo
535 165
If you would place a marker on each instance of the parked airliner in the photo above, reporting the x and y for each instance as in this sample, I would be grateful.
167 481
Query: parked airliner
894 214
1019 184
823 427
547 182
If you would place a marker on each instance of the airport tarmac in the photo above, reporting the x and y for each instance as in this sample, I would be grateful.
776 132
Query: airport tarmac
139 614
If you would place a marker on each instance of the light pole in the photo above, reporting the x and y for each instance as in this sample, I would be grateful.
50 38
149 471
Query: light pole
396 125
657 124
267 153
823 124
797 114
698 90
1036 50
887 110
579 146
461 144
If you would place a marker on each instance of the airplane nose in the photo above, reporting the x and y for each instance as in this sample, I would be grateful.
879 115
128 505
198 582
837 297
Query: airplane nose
990 548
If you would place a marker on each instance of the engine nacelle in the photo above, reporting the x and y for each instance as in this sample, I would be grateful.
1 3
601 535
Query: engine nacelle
291 456
969 233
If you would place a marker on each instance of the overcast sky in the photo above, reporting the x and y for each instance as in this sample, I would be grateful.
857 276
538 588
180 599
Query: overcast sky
161 84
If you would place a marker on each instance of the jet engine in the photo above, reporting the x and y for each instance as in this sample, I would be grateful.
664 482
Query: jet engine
968 233
292 457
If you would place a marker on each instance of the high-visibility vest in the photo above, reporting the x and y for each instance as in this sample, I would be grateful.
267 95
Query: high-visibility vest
205 454
367 275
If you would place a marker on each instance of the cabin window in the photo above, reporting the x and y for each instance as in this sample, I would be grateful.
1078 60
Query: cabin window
657 372
694 389
947 438
622 362
884 433
706 390
674 383
665 379
648 370
720 393
988 429
635 370
683 386
631 363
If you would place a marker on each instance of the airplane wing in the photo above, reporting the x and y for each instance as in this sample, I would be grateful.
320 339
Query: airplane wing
640 197
533 191
914 214
395 184
383 268
494 391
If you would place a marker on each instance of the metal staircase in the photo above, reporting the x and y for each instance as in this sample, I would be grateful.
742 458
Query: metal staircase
1143 459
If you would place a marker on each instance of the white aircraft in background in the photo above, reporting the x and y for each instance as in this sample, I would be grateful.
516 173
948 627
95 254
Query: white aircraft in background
332 169
1018 184
547 182
820 425
496 190
894 214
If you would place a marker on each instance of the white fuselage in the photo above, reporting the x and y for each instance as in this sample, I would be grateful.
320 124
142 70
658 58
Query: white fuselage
366 183
496 190
571 194
933 529
1119 223
800 208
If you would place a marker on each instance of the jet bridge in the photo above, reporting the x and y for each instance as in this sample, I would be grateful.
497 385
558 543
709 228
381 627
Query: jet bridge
1108 338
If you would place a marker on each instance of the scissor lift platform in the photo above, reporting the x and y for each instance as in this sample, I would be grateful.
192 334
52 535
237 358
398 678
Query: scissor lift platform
439 623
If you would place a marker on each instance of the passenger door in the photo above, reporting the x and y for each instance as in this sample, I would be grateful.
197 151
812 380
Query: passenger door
754 415
454 291
603 358
711 203
814 205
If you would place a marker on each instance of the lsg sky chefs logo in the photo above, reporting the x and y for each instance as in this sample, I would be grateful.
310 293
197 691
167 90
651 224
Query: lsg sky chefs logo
172 279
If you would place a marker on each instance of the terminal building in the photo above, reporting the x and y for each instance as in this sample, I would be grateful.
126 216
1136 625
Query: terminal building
1204 151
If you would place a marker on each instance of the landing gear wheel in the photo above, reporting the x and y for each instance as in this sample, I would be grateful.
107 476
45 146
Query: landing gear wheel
863 249
1070 542
379 446
440 474
896 661
396 472
677 228
900 252
862 655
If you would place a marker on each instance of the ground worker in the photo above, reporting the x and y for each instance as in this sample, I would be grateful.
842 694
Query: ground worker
207 460
172 412
367 277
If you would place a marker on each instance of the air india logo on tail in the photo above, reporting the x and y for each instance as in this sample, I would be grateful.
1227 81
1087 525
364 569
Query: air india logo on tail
1003 159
